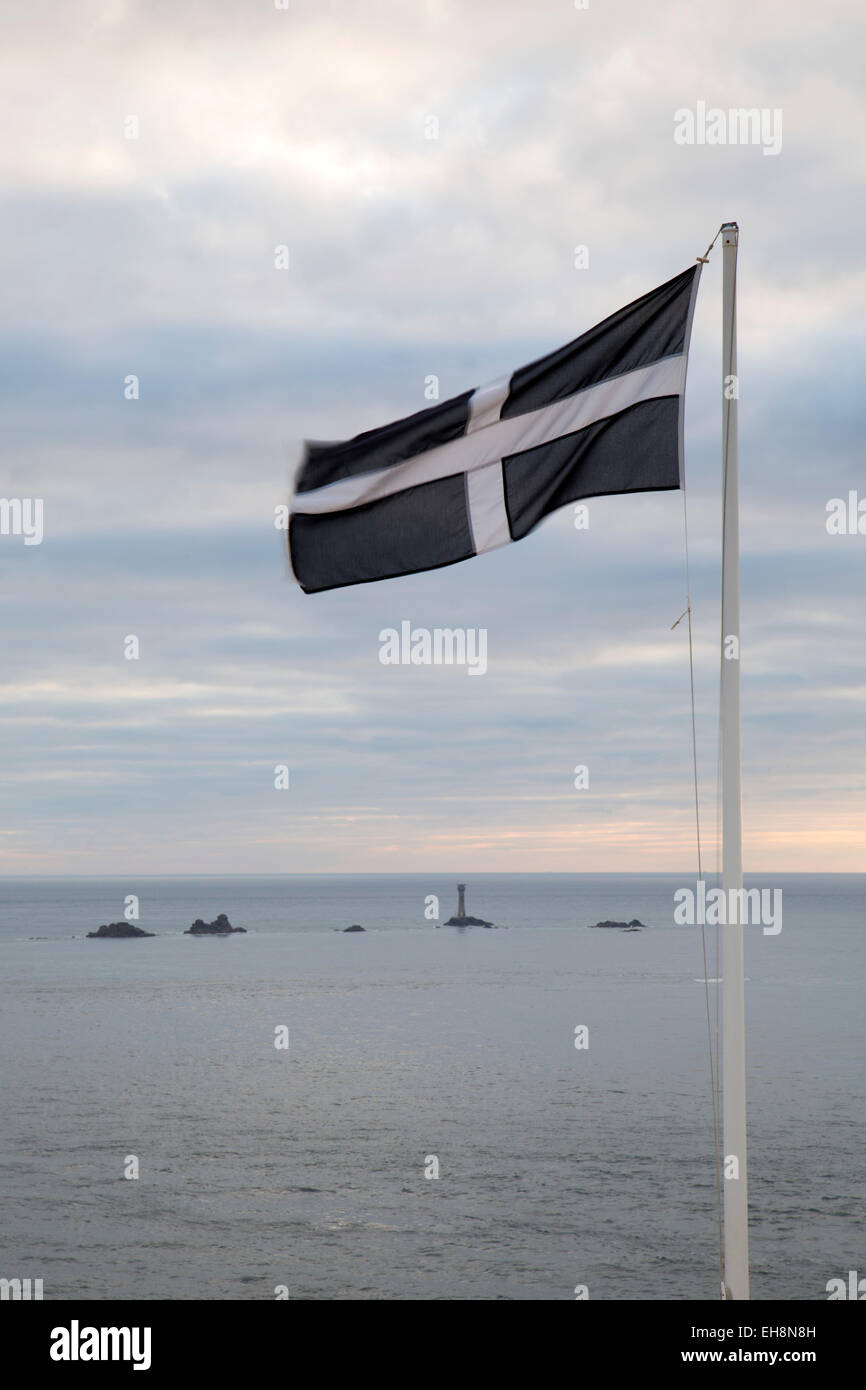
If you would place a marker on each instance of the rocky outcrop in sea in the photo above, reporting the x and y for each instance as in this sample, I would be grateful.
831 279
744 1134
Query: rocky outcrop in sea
467 922
115 931
220 926
633 925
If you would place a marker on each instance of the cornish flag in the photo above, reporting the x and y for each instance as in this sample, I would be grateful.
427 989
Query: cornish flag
604 414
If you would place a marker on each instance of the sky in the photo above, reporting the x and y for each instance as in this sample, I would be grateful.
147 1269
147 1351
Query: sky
430 170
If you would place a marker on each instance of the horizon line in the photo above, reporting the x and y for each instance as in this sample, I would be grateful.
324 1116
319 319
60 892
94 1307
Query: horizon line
454 873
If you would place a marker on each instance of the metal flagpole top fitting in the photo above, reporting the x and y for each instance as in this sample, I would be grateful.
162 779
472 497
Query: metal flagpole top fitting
730 233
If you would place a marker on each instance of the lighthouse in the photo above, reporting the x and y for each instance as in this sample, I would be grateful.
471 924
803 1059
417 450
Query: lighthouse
460 918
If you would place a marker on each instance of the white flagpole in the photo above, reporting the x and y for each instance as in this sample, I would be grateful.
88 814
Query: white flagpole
736 1261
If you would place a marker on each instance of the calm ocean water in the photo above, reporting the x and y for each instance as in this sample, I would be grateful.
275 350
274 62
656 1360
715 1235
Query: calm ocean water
305 1167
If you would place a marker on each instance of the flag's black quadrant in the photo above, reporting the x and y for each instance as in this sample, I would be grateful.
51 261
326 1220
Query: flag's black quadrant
604 414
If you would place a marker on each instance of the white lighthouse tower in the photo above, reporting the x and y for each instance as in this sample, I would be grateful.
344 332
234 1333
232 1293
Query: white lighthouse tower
461 918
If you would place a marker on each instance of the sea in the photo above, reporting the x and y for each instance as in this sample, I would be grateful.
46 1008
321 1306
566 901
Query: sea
417 1111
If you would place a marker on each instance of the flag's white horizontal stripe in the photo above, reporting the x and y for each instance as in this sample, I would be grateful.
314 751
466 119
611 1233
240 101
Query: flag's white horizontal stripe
500 438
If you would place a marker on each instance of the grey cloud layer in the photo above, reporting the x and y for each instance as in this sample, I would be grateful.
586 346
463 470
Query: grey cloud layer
411 257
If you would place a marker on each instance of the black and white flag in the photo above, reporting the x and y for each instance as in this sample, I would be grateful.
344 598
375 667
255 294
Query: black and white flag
604 414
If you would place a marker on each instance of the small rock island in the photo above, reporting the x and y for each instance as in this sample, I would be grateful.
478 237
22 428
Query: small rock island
354 927
633 925
460 919
115 931
220 926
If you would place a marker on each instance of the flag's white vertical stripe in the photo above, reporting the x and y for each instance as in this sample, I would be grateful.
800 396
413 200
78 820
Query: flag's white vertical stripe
485 489
485 501
486 402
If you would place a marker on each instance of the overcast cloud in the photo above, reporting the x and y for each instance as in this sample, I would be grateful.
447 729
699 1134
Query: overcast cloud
307 127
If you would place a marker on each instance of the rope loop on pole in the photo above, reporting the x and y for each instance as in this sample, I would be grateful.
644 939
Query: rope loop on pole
705 258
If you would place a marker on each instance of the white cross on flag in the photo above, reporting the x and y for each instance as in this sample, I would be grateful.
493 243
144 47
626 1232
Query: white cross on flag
604 414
